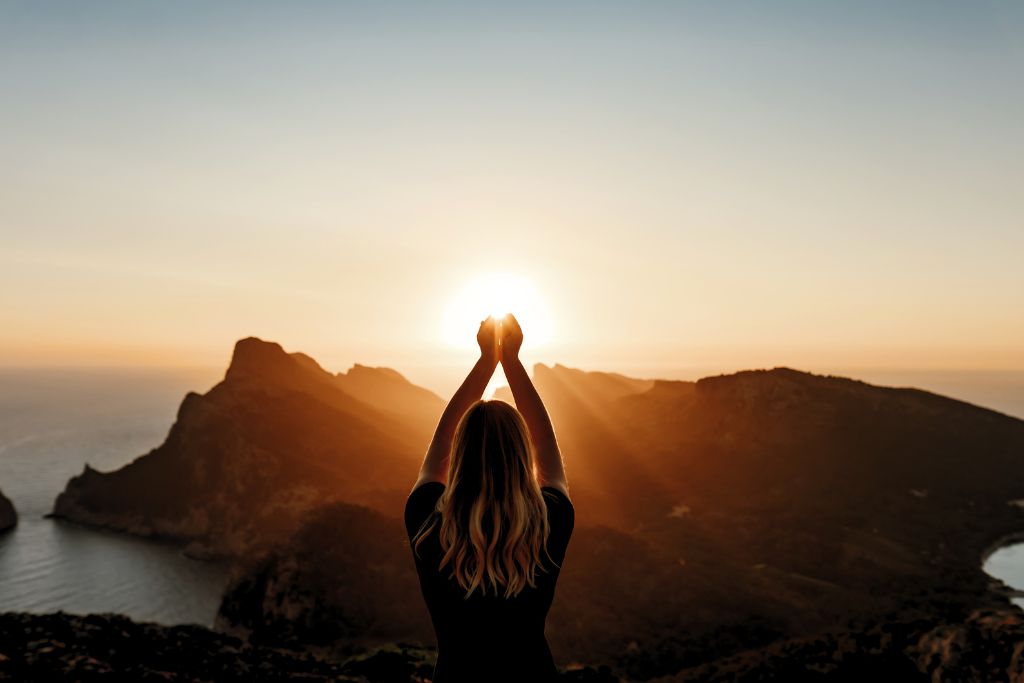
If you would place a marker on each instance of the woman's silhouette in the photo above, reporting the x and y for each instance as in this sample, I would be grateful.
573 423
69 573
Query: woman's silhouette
489 520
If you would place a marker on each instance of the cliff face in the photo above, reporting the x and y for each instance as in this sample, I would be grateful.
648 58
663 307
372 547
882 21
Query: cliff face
738 512
278 437
343 579
8 516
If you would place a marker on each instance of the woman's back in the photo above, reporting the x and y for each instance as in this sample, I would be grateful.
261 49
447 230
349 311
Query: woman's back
489 637
489 521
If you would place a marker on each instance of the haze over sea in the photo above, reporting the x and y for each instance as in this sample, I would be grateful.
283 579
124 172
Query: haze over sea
54 421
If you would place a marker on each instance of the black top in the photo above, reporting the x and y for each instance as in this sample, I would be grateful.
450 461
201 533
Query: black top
488 638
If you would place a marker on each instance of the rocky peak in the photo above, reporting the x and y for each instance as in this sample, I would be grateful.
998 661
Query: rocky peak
603 386
762 384
360 372
253 357
388 390
269 366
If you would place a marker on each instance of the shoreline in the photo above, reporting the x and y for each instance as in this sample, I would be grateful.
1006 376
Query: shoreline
1004 541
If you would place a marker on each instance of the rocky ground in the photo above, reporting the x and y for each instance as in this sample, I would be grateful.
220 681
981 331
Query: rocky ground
986 647
98 646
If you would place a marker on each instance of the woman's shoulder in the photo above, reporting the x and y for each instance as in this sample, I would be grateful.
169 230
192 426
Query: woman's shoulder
557 491
562 519
420 503
427 487
557 486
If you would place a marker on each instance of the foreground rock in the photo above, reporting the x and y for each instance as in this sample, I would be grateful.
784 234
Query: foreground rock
986 646
65 647
58 647
278 437
8 516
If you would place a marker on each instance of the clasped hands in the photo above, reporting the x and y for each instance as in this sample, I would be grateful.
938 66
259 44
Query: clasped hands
499 339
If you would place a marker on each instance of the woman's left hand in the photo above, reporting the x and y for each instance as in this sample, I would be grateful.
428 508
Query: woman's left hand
487 338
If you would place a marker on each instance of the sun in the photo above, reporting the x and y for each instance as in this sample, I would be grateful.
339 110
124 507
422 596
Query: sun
496 294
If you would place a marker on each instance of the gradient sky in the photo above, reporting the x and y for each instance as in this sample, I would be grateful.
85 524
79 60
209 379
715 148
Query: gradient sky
721 185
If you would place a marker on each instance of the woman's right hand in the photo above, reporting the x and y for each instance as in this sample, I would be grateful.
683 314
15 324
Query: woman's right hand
488 340
511 337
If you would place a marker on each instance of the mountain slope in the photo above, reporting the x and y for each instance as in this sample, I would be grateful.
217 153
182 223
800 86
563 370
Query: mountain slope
718 516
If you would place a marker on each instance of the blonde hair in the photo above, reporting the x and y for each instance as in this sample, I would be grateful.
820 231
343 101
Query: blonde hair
491 517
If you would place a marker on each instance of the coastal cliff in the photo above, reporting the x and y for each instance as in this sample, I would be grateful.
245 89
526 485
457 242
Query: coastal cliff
277 438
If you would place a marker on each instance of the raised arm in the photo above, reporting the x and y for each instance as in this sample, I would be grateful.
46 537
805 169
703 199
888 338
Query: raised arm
435 464
550 469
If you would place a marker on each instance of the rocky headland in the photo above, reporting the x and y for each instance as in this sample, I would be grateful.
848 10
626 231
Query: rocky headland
757 524
277 438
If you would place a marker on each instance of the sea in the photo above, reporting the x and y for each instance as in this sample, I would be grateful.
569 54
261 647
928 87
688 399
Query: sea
55 420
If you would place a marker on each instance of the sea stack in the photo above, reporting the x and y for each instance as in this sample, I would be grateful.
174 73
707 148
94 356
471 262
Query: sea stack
8 516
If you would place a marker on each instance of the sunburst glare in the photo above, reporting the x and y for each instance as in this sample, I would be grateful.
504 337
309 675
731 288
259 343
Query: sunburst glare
496 294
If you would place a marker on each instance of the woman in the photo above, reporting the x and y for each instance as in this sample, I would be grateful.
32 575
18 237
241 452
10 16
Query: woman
489 520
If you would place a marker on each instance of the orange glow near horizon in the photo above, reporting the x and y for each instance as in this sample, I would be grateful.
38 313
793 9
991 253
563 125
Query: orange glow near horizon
683 187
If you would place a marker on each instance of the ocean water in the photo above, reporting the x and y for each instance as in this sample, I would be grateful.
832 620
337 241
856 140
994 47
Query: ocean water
54 421
1001 390
1007 564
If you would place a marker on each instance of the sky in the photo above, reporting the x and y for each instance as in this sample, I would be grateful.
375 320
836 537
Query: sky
680 185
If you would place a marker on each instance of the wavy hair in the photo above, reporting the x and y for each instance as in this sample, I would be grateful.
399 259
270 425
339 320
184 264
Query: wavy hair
491 519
